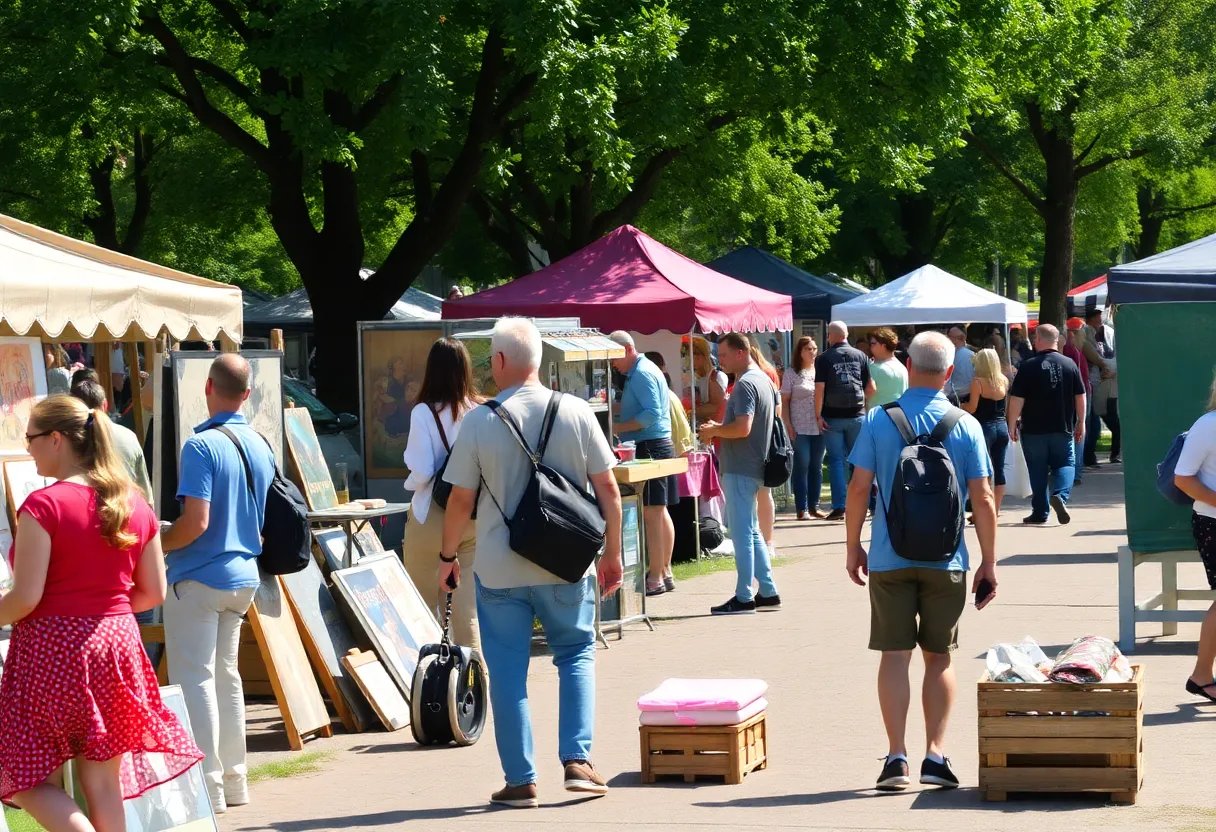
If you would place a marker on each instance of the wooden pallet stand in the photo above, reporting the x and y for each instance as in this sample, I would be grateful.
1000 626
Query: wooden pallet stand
1033 738
728 751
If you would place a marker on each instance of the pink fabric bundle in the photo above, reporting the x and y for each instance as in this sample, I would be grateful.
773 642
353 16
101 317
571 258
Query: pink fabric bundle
703 702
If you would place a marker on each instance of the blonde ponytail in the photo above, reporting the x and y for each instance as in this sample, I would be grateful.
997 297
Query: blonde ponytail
88 432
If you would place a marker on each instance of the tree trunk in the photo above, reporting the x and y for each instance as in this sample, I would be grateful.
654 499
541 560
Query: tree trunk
336 309
1149 204
1059 211
994 275
1030 287
1011 281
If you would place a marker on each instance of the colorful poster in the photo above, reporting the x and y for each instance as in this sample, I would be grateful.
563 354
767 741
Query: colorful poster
394 363
22 385
308 460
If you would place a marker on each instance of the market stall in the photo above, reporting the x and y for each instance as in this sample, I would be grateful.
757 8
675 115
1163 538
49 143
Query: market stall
1171 292
929 295
1089 295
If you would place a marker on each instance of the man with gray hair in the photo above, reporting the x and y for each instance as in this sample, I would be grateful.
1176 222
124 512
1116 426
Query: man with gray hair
842 383
918 603
512 591
644 417
964 370
1048 394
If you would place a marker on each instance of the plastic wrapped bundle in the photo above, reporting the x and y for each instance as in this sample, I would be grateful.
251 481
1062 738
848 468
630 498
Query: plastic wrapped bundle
1089 661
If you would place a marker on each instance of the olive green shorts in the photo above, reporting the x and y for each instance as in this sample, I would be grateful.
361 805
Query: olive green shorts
916 606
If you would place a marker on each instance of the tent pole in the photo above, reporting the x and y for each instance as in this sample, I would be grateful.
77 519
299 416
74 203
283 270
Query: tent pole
692 397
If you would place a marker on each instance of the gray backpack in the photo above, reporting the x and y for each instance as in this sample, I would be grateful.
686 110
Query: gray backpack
925 513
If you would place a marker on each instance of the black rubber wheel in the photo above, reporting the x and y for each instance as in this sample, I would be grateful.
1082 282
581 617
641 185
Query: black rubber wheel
468 701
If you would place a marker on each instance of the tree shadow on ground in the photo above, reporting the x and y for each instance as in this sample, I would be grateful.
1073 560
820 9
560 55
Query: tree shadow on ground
383 820
1069 559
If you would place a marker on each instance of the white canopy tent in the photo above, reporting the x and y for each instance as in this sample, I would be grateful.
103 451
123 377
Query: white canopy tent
929 296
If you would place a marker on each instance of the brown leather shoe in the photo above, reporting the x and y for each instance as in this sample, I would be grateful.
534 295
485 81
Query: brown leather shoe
582 777
516 797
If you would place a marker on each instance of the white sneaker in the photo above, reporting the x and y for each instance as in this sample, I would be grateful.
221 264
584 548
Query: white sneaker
236 791
218 804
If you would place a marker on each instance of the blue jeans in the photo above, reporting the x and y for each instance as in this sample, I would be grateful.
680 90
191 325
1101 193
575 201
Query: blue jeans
839 439
1049 457
807 478
1093 428
567 614
996 437
751 555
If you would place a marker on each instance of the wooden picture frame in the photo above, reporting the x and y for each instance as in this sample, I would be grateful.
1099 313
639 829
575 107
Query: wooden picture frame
22 385
307 462
21 479
367 543
287 665
263 410
331 543
375 683
391 612
327 638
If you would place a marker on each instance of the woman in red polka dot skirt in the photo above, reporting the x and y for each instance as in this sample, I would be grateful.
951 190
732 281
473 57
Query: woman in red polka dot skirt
77 683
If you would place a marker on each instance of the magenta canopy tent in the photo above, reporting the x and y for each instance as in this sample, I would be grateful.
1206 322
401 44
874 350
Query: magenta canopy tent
630 281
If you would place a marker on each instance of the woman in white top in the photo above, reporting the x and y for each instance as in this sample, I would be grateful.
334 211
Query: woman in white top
446 395
1195 475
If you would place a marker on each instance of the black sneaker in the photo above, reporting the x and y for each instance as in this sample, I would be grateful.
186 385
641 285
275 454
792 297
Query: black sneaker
938 774
836 514
734 607
773 602
1061 510
1034 521
895 776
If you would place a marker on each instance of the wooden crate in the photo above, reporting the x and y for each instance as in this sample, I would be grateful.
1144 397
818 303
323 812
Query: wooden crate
1033 740
728 751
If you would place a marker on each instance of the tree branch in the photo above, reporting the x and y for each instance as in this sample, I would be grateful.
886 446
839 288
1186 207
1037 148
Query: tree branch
1109 159
227 80
1088 148
1035 200
377 101
138 224
195 97
420 171
231 15
1175 213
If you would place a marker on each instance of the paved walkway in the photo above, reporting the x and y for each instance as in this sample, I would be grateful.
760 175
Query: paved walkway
1056 583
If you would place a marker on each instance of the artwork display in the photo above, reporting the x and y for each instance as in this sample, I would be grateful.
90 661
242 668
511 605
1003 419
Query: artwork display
626 602
368 542
307 459
327 638
394 362
21 479
378 687
263 409
483 374
181 804
22 385
391 612
331 543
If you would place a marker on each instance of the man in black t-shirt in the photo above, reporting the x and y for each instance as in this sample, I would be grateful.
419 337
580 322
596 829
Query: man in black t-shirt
842 382
1049 396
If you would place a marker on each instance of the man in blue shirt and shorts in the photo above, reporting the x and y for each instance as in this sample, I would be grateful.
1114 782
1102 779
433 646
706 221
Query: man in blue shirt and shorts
917 603
212 564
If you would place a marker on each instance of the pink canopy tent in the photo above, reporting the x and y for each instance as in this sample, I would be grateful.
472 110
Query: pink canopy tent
627 280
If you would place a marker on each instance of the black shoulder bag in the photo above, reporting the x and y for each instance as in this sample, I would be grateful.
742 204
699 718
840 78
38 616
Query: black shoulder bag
286 536
557 525
440 489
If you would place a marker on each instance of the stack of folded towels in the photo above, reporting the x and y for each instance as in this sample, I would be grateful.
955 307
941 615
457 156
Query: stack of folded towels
699 702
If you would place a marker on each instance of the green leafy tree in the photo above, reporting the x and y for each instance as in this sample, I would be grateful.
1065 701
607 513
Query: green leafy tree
1080 86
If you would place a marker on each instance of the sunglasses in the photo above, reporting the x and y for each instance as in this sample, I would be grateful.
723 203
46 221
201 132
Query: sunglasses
30 437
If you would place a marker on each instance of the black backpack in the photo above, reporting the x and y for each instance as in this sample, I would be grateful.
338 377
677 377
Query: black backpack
779 461
925 514
557 525
286 536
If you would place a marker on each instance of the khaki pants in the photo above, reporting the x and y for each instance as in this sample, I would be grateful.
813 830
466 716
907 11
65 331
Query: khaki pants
421 554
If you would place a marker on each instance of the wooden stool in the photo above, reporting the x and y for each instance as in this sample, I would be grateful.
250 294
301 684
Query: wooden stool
728 751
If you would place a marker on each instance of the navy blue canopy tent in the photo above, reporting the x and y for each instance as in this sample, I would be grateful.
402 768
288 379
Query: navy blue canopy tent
813 296
1186 273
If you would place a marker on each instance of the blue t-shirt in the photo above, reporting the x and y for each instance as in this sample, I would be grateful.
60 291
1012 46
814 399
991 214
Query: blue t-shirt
645 399
877 449
225 556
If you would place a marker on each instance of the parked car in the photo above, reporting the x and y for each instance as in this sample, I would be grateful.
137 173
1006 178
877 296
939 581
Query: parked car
337 433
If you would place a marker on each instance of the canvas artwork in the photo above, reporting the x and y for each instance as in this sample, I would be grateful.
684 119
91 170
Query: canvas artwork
22 385
332 545
392 613
263 409
308 460
483 375
394 362
21 479
367 542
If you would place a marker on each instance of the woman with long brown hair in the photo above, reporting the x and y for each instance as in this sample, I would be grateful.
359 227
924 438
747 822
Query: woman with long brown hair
798 409
77 683
448 392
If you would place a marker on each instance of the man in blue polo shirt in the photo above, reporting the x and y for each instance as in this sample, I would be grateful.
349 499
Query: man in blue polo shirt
213 574
645 418
917 603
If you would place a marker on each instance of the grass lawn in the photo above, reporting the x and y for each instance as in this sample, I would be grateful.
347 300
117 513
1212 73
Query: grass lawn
706 566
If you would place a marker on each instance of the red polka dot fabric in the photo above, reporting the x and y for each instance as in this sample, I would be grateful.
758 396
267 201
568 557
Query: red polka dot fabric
84 687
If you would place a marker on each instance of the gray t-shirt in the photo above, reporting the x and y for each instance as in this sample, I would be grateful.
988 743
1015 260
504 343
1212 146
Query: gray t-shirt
487 449
753 393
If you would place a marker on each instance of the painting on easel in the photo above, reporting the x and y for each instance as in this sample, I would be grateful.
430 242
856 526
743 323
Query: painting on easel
263 409
22 385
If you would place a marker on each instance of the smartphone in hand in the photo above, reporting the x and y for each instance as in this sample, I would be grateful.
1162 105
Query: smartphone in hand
983 593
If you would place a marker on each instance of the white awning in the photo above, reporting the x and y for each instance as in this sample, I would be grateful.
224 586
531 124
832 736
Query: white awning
929 296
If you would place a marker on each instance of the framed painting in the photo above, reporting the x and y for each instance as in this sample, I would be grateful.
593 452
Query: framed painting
21 479
22 385
307 460
393 362
391 612
331 543
263 409
368 542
